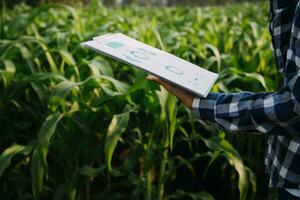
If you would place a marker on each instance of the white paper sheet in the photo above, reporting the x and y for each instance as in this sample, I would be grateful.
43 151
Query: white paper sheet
162 64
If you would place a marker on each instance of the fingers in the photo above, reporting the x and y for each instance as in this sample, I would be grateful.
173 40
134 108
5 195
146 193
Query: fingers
165 84
182 95
152 78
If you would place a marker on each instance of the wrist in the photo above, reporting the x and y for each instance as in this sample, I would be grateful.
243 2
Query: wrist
189 103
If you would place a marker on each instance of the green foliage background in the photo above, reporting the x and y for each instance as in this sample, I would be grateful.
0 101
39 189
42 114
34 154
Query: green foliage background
76 125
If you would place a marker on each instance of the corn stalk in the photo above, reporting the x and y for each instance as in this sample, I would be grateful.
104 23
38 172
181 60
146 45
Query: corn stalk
168 103
2 14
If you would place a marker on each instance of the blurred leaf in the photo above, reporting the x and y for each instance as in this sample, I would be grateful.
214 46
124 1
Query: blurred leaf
172 117
43 44
180 194
62 89
213 157
9 72
217 55
218 144
116 127
63 189
258 77
252 180
39 163
100 66
9 153
202 195
89 171
45 76
67 57
120 88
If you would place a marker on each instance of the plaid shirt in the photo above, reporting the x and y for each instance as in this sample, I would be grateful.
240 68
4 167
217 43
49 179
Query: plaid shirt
276 114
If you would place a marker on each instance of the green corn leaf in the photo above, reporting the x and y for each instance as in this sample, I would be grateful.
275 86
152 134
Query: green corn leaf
119 86
113 87
3 75
51 61
180 194
116 127
37 173
162 97
63 189
233 74
74 108
159 39
95 67
216 53
9 66
45 76
2 14
219 144
172 117
9 153
213 157
90 171
9 72
252 180
139 84
8 45
99 66
202 195
168 103
60 91
67 57
40 90
39 163
27 55
258 77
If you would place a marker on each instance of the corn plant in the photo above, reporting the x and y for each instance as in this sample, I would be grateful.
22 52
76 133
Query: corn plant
77 125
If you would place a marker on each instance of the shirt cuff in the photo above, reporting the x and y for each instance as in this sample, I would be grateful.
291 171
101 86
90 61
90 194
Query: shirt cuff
204 108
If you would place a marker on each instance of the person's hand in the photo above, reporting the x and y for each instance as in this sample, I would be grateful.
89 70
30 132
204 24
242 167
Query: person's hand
184 96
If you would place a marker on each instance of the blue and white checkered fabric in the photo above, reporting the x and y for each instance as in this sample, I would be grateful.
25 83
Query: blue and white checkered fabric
274 113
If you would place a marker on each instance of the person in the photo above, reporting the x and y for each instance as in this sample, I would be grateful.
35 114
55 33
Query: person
276 114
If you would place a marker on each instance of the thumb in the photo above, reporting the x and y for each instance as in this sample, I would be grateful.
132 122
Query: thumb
152 78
